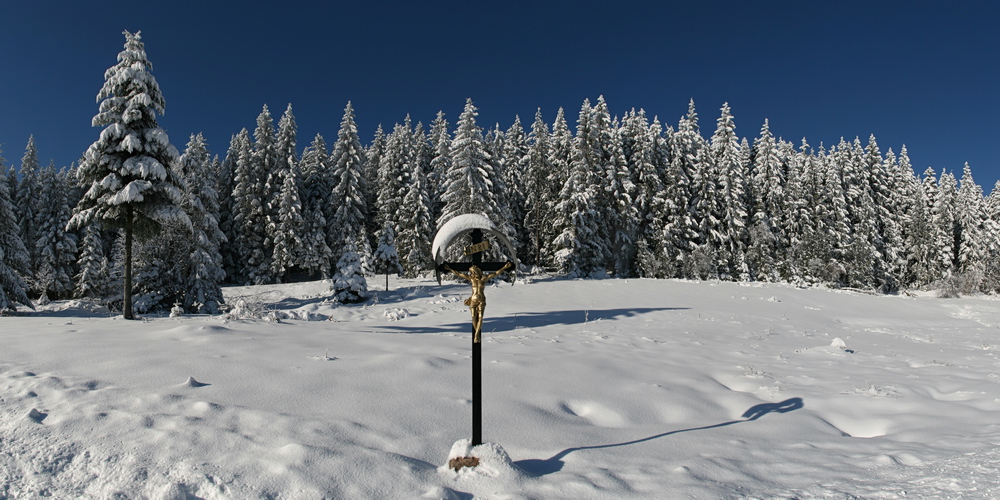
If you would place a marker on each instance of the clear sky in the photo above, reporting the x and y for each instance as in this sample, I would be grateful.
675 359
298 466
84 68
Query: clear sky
924 74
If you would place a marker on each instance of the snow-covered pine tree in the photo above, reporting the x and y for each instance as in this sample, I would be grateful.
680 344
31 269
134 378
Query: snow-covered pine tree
416 226
495 142
580 248
619 216
27 202
538 203
469 184
393 174
884 234
681 228
373 161
268 180
972 246
560 156
658 257
922 254
992 230
250 215
13 254
226 172
515 161
12 183
287 225
639 144
203 269
348 224
317 257
859 256
944 213
131 184
386 259
55 247
440 140
349 284
93 281
729 231
767 194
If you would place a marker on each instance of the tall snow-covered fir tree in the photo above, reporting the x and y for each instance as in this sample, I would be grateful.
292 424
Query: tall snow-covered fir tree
204 269
440 140
992 230
373 166
226 172
268 181
469 183
249 215
728 230
766 188
515 163
581 248
619 213
972 245
348 226
287 225
128 169
55 247
13 254
560 156
27 198
416 226
94 279
638 144
317 181
393 174
538 199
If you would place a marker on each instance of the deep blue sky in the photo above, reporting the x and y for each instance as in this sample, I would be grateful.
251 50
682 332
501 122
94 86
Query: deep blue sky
919 73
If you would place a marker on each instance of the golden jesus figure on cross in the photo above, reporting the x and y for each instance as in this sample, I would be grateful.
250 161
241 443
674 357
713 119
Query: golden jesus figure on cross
477 302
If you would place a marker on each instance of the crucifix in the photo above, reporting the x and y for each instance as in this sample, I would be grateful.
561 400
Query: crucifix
477 306
477 273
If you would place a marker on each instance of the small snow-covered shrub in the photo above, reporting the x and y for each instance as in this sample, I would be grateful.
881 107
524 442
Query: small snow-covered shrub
396 313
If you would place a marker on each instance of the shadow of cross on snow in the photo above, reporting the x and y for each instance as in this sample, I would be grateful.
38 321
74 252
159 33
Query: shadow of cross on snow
555 464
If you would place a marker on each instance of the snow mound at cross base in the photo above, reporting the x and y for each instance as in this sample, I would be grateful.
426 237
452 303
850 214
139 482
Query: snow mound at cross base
494 472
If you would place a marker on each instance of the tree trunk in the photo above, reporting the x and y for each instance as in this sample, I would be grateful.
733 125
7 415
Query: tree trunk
127 307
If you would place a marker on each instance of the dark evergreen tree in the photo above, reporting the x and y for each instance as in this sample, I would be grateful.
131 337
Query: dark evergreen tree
348 224
13 254
317 257
469 185
55 247
128 169
203 270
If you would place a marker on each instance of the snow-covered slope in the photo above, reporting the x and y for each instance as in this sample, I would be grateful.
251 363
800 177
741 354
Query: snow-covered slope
593 389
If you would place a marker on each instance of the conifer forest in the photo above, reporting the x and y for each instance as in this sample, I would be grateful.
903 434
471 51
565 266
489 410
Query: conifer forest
622 196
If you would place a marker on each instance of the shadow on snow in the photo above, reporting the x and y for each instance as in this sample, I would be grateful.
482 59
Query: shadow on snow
515 321
555 464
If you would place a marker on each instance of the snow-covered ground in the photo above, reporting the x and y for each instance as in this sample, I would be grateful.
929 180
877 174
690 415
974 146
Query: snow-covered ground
594 389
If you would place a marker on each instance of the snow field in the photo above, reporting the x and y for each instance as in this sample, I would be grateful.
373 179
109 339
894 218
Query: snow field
592 389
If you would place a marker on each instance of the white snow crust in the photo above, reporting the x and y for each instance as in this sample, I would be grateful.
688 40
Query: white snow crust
593 389
461 224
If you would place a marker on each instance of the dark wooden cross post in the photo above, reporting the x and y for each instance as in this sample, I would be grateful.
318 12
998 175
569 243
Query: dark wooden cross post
477 359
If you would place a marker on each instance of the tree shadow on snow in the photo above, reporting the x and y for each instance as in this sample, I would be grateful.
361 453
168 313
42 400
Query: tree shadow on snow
555 464
515 321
